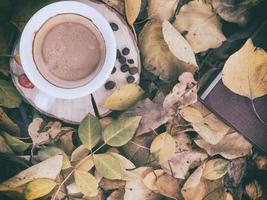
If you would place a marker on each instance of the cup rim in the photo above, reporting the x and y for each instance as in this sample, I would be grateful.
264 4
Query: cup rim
26 48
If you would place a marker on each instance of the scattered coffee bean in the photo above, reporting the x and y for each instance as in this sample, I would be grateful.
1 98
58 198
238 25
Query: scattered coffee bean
122 60
118 53
130 61
110 85
114 70
124 68
114 26
130 79
125 51
25 82
133 70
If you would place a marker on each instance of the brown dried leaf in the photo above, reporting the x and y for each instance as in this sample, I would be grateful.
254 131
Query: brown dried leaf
183 94
231 146
107 184
253 190
200 25
79 153
152 114
117 5
132 9
151 178
161 9
33 129
116 195
261 162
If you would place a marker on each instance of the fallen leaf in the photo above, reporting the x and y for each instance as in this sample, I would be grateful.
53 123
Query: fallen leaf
48 169
121 131
215 169
39 188
85 164
132 9
48 152
125 163
235 12
79 153
124 97
254 190
237 171
116 195
7 124
157 58
231 146
261 162
65 142
151 178
200 25
107 184
9 96
169 186
90 131
117 5
250 80
163 147
33 129
15 144
108 166
104 122
191 114
153 116
183 94
174 39
86 183
136 189
179 165
161 9
4 148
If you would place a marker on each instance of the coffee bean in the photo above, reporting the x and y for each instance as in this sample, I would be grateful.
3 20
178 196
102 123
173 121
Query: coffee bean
133 70
110 85
122 60
130 79
125 51
124 68
114 70
114 26
130 61
118 53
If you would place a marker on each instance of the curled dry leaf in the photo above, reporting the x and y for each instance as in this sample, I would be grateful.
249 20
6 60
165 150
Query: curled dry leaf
7 124
253 190
235 12
136 189
90 131
121 131
151 178
215 169
163 147
161 9
250 79
48 169
153 116
231 146
124 97
183 94
39 188
132 9
196 20
65 142
179 46
15 144
157 58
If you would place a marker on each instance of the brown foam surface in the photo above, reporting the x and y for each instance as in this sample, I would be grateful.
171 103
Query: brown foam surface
68 50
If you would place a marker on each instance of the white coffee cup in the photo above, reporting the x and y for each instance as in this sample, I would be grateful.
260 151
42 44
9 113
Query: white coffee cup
49 92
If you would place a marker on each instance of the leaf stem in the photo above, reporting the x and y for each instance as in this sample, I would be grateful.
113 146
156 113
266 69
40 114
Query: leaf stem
257 114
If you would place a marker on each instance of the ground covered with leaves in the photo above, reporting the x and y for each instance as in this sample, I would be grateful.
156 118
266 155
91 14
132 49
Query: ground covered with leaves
159 142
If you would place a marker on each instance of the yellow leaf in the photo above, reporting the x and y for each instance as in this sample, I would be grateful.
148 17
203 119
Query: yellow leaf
151 179
39 188
215 169
245 72
7 124
132 9
86 183
163 147
14 143
161 9
200 25
192 115
125 97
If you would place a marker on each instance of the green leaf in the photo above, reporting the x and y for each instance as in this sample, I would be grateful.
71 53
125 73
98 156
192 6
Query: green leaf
49 169
51 151
14 143
39 188
125 97
9 96
121 131
108 166
86 183
215 169
90 131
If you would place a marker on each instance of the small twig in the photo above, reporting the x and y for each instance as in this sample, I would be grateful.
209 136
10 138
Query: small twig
257 114
140 146
170 168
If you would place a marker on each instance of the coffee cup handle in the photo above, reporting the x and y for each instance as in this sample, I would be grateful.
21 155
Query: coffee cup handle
43 101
